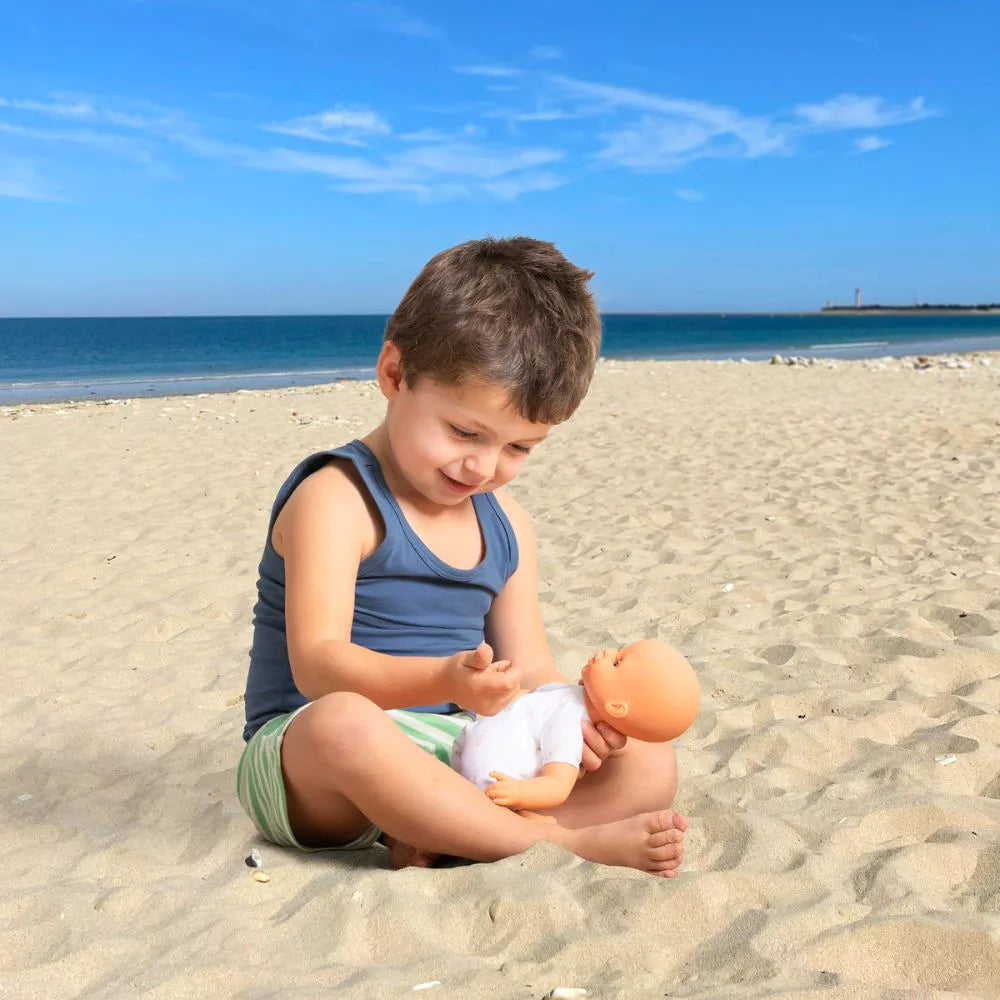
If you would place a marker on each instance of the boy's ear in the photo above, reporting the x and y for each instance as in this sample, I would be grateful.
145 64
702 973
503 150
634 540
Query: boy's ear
389 370
616 709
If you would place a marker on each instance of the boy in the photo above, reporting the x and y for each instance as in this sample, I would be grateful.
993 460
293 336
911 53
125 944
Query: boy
395 576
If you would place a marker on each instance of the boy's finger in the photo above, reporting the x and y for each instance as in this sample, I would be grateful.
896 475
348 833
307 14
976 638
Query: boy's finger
479 658
594 740
614 739
589 761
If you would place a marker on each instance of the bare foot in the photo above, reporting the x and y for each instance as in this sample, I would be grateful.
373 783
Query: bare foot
651 842
405 856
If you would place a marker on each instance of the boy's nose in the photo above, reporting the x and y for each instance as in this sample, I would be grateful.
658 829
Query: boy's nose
482 465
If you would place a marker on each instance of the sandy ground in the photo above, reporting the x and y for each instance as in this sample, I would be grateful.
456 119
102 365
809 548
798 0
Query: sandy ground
822 542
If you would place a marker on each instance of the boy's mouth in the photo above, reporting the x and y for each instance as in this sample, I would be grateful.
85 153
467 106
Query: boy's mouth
456 486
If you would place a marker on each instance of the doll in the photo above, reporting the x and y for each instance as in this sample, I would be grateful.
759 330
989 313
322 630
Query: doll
646 690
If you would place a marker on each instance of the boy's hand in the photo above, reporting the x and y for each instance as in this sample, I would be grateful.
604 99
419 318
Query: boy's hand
478 684
599 743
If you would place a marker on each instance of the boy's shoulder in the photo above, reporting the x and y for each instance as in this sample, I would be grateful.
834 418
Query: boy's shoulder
334 496
337 479
520 519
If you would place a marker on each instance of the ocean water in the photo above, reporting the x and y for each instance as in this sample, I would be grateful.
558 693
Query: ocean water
65 359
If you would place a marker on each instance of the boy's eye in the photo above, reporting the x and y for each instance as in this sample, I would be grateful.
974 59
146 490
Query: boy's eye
521 449
459 432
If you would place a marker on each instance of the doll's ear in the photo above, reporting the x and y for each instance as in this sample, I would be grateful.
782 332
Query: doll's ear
616 709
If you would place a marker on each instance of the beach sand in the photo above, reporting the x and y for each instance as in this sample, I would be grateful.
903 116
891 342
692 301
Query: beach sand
823 542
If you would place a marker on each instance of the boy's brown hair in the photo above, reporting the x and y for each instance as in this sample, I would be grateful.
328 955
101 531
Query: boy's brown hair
513 312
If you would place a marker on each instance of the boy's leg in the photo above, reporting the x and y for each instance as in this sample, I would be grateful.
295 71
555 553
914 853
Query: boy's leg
346 763
642 779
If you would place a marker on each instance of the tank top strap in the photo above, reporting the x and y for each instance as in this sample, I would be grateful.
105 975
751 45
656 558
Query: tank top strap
500 558
368 468
499 542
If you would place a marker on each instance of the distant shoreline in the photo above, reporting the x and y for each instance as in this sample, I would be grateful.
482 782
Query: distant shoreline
990 310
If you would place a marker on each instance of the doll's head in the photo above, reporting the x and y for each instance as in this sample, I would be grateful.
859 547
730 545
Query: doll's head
646 690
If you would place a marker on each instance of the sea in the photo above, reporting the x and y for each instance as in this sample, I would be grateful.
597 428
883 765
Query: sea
52 360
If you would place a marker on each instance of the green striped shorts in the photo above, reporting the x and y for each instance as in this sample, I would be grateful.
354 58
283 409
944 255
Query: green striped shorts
261 787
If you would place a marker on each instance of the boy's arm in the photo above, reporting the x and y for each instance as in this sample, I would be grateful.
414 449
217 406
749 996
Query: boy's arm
514 626
322 533
515 629
550 788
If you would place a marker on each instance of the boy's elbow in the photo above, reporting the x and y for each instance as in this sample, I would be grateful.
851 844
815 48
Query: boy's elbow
311 672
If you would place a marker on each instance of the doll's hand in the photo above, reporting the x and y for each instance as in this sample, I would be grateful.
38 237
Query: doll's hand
479 684
599 743
504 790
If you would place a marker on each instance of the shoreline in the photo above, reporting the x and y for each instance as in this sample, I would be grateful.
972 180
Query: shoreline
64 391
903 311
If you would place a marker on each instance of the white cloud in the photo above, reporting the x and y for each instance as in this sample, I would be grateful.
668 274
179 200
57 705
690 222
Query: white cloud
11 187
542 115
433 135
494 71
19 179
667 132
75 109
610 97
396 19
350 127
136 115
124 146
514 187
673 131
869 143
624 128
451 167
849 111
473 159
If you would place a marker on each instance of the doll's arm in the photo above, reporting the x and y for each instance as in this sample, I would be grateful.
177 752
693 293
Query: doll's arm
550 788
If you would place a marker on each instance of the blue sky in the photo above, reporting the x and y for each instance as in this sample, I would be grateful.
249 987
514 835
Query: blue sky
243 156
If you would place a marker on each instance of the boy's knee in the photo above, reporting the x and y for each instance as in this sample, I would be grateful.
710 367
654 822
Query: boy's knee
339 725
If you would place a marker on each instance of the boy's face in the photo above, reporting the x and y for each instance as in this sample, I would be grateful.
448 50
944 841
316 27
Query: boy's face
452 441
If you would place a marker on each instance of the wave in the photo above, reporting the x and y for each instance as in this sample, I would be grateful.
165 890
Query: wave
125 380
850 344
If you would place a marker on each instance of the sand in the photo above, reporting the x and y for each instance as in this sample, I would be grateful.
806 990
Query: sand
823 542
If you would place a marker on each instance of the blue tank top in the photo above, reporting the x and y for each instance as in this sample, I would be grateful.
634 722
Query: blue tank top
407 601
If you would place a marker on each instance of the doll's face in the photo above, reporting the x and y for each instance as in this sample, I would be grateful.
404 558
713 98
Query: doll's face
610 675
647 690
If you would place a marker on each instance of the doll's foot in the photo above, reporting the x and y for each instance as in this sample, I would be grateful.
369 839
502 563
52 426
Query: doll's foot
651 842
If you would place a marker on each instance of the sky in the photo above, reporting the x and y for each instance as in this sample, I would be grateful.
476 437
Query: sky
197 157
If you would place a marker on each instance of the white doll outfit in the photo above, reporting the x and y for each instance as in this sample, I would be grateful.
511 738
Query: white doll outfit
541 727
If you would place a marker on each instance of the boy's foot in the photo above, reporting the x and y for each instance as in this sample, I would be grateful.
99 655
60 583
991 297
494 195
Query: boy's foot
651 842
405 856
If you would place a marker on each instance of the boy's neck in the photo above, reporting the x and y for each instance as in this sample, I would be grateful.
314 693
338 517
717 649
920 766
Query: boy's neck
378 443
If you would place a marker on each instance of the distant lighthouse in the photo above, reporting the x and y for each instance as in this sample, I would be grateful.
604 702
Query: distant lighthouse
857 298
